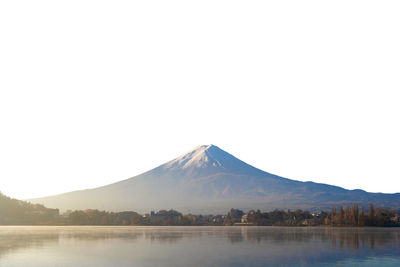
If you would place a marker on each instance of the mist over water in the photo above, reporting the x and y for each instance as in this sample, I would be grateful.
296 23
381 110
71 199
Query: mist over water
198 246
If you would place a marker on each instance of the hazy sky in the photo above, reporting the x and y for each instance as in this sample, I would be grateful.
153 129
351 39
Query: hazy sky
92 92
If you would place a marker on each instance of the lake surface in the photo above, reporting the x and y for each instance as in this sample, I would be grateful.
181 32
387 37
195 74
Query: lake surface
198 246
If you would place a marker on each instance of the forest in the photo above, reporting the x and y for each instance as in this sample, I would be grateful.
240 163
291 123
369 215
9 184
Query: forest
17 212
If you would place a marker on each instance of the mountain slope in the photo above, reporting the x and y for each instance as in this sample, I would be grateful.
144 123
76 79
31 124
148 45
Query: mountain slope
210 180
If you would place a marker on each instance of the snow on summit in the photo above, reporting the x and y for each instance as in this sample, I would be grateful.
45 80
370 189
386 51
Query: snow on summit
209 159
199 157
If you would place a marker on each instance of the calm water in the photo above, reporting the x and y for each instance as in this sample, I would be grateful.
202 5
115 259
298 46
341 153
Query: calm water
198 246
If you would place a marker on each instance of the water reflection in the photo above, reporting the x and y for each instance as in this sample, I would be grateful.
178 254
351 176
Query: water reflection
9 243
353 238
196 246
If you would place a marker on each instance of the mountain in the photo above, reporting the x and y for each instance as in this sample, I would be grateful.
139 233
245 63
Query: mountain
210 180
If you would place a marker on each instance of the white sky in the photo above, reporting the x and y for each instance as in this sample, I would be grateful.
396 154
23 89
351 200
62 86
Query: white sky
93 92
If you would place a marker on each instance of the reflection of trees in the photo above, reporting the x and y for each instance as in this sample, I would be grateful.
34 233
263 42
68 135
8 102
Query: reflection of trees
362 237
13 238
164 237
16 238
12 242
235 237
279 234
98 233
349 238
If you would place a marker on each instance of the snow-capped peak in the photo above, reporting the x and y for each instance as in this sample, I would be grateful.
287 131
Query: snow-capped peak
199 157
208 160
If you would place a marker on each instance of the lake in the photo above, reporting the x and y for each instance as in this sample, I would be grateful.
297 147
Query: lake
197 246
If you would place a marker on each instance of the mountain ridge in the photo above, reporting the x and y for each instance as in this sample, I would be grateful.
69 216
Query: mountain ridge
207 179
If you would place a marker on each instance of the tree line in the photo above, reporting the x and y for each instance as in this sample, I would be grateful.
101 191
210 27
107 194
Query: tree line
354 216
17 212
